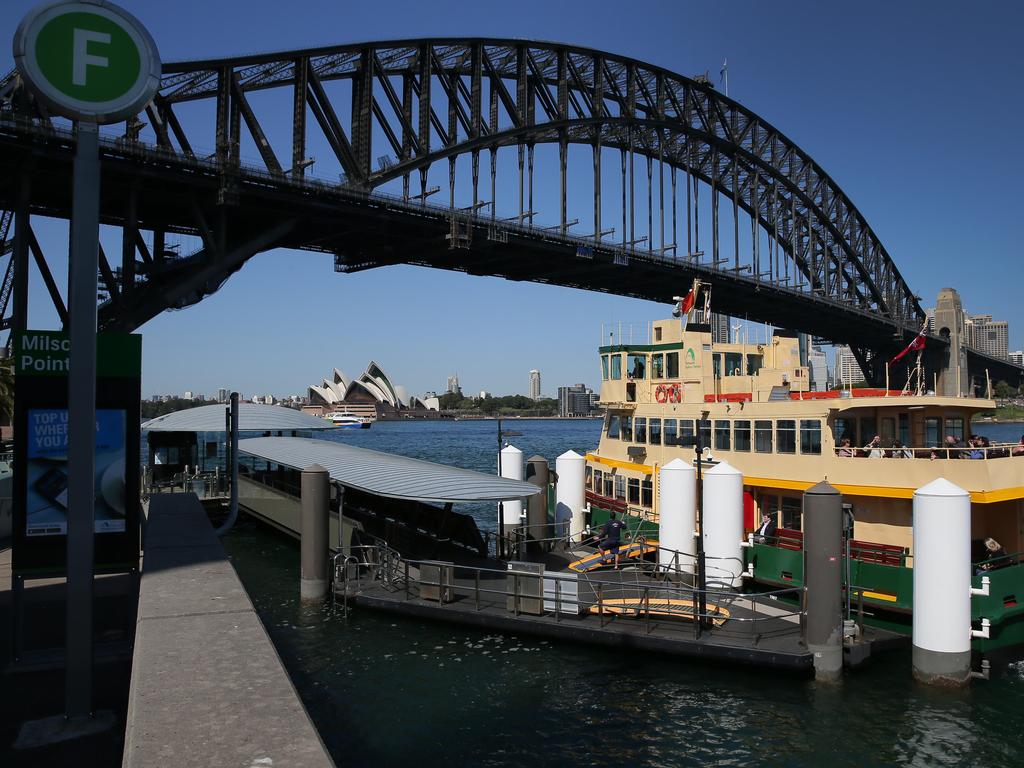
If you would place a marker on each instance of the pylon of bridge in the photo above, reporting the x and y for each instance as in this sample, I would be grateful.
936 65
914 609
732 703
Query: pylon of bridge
950 324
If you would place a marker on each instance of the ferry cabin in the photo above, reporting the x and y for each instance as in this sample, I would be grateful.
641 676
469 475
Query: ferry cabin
752 407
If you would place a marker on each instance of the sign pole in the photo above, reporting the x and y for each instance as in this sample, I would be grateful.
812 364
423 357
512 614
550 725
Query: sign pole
85 222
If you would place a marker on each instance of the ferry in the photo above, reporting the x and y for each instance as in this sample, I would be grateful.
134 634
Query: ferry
751 405
348 421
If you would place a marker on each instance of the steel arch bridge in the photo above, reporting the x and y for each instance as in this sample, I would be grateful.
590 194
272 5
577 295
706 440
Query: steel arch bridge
393 123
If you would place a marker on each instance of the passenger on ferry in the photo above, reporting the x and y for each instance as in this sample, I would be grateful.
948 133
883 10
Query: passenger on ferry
766 532
1018 449
900 451
845 449
975 450
994 554
953 443
874 448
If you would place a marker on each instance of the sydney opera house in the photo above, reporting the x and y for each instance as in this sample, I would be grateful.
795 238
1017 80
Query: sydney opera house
371 395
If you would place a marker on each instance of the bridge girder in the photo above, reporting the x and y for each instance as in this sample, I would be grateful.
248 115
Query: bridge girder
432 102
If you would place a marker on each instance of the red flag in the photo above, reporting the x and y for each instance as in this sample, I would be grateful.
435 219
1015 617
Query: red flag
687 303
913 346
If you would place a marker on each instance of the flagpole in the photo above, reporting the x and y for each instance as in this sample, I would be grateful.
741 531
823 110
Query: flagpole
886 379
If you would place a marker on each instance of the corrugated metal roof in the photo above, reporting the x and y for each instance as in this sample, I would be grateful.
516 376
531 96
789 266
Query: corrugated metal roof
385 474
251 418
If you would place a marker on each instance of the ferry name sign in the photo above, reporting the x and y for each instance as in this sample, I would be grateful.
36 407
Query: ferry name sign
88 60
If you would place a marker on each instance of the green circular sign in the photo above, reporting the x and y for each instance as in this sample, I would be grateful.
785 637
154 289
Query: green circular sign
89 60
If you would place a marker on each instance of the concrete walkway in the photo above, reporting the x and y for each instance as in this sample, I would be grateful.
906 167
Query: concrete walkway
208 687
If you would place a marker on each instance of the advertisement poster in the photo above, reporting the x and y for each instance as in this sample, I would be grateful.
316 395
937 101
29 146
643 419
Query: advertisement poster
46 467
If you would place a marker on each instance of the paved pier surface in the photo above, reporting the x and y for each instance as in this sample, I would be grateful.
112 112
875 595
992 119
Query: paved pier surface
208 687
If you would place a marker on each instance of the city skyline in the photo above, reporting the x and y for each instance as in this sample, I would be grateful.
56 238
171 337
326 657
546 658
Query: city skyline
260 331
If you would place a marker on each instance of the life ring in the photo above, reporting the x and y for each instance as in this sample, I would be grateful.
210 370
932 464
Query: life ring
661 393
674 394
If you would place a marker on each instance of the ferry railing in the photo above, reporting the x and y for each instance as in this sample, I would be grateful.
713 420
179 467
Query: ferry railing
968 452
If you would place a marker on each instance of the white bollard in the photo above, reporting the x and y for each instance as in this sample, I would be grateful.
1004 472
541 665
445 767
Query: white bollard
570 493
677 516
723 525
511 467
942 584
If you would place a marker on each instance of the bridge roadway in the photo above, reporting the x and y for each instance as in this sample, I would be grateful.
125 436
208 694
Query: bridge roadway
366 231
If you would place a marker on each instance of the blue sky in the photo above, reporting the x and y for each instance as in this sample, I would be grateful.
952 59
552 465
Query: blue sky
913 108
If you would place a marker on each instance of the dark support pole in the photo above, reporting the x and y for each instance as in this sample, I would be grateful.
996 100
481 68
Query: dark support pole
702 576
22 238
85 224
128 236
233 468
315 531
823 576
537 473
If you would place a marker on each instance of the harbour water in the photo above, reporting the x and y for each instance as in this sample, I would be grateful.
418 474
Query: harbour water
383 690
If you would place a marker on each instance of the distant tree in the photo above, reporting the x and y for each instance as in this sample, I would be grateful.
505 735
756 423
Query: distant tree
1004 391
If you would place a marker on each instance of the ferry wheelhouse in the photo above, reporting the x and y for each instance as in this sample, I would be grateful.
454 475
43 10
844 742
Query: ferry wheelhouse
751 406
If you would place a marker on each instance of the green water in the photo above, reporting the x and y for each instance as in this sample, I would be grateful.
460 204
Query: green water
386 691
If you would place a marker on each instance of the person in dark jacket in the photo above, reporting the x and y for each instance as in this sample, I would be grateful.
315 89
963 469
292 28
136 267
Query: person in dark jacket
611 537
766 533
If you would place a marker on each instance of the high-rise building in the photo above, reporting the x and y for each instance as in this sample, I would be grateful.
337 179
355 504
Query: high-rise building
535 384
719 328
1017 357
818 364
453 385
576 400
989 336
222 395
847 367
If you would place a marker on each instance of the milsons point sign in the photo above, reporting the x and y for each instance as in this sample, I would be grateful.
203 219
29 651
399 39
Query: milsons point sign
89 60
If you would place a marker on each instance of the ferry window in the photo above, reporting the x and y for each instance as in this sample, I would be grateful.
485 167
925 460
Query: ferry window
888 432
657 366
868 429
211 449
598 480
791 513
754 363
716 365
955 427
640 429
657 334
685 428
616 363
932 431
904 428
733 364
609 487
604 367
704 426
846 428
786 435
721 435
613 426
646 493
654 432
763 436
636 365
627 428
589 477
670 432
672 365
620 487
633 488
810 436
741 435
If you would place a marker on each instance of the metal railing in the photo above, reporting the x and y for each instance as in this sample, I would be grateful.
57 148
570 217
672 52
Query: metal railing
369 564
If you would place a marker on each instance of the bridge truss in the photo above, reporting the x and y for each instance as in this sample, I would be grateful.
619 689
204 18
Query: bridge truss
342 149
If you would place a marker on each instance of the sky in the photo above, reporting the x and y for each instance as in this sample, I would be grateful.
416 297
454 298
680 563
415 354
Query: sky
913 108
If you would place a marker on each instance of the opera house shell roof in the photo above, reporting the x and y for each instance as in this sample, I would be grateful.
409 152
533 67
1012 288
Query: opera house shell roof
373 386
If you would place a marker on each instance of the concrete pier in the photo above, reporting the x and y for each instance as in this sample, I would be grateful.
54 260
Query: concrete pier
208 687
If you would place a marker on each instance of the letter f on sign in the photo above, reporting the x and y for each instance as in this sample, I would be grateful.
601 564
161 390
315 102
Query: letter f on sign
82 58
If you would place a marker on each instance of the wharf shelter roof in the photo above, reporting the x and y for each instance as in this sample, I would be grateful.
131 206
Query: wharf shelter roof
386 474
251 418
